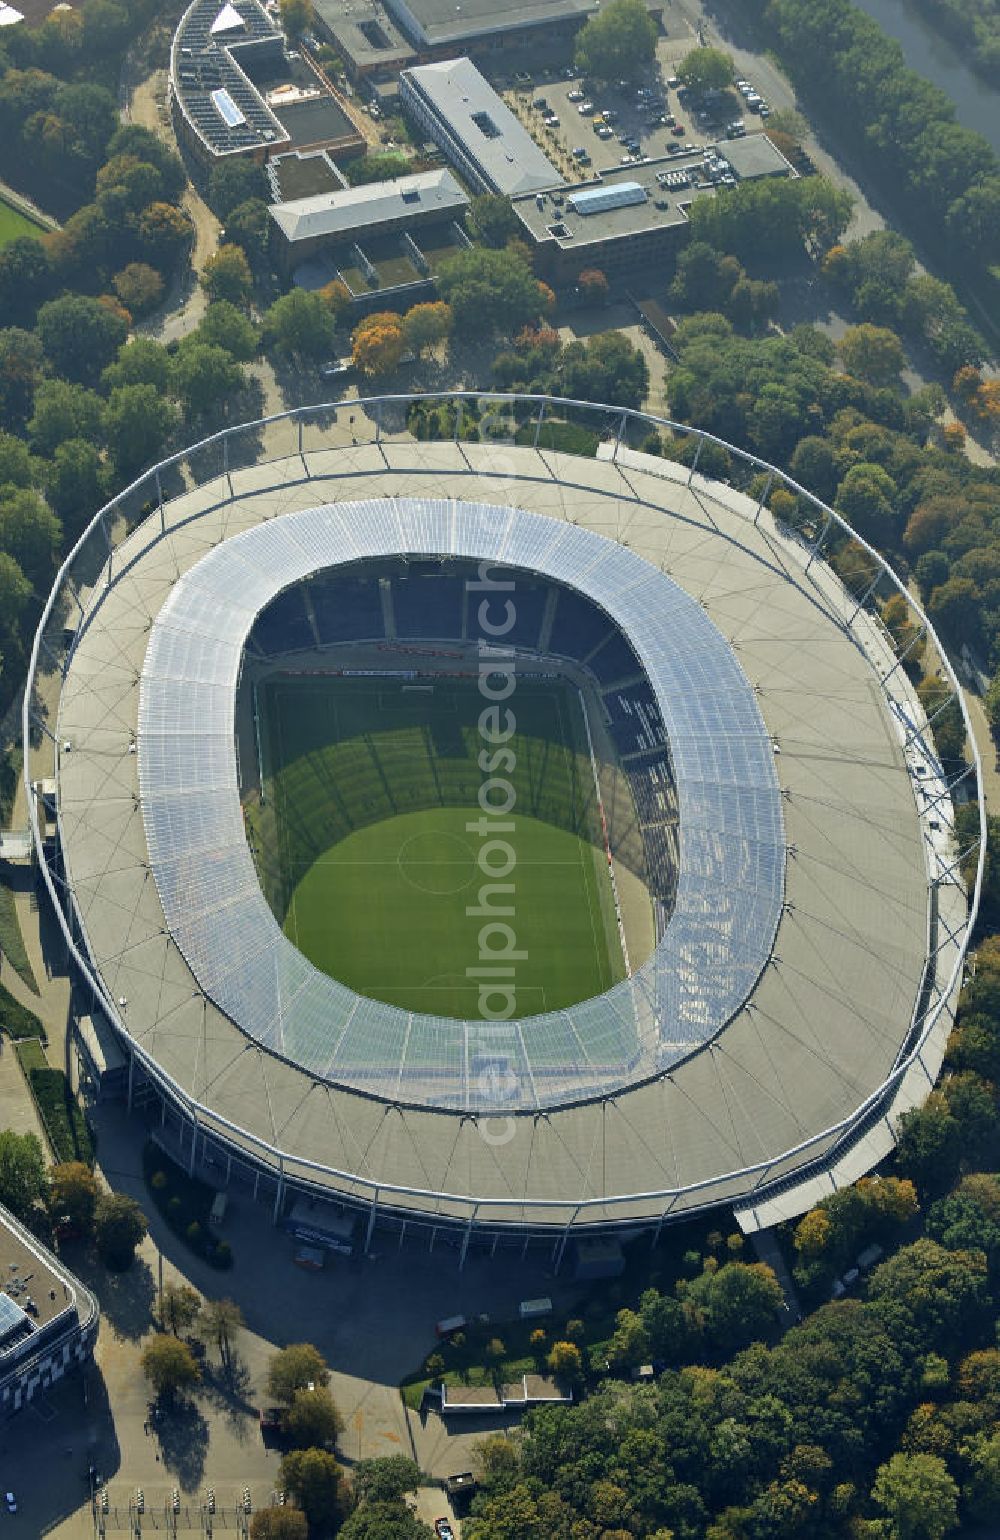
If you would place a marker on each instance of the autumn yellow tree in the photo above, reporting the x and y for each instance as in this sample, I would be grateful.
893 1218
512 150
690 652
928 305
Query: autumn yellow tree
378 343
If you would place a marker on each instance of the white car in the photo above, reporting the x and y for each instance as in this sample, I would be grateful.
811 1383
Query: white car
574 96
11 1502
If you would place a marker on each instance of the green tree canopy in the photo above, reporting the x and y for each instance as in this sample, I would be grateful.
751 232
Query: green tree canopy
227 275
137 422
387 1479
312 1420
279 1524
75 483
80 336
706 69
492 217
179 1306
300 324
119 1226
296 1368
23 1179
873 353
233 181
619 41
203 376
64 411
317 1482
918 1497
225 326
169 1365
490 291
384 1521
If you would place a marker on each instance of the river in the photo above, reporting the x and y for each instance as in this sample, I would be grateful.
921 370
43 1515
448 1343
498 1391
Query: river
935 57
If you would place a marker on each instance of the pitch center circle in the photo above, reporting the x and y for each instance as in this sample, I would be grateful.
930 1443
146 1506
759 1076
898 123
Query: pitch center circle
427 862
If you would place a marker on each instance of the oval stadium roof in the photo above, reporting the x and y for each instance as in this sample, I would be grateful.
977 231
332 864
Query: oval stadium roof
732 850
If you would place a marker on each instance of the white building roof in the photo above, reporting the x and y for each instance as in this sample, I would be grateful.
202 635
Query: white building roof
362 208
484 126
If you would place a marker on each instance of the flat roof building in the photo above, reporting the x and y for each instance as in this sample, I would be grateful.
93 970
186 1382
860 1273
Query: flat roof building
364 34
372 226
48 1319
755 156
630 217
456 107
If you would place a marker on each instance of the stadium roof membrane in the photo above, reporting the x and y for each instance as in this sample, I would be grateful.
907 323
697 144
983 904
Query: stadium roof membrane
732 853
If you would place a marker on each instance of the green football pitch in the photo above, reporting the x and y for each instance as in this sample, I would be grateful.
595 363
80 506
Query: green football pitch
367 860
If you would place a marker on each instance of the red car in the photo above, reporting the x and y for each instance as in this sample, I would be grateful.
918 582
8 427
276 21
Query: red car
678 129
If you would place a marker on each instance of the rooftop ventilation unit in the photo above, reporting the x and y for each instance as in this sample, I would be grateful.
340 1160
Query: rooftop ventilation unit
599 200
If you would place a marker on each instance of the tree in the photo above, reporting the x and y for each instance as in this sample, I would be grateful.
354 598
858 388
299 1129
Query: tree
164 232
565 1362
296 16
296 1368
873 353
73 1194
378 343
137 423
706 69
279 1524
224 326
248 225
928 1144
491 291
74 483
15 591
169 1365
866 497
425 326
227 275
80 336
386 1479
981 1491
317 1483
235 180
119 1226
64 411
593 286
203 376
141 362
222 1321
26 277
312 1421
23 1180
384 1521
629 1344
492 217
300 323
144 145
741 1303
21 364
30 532
179 1307
607 367
918 1497
139 287
618 41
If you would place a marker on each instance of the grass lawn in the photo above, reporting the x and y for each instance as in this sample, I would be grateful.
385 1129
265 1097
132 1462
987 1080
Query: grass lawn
60 1112
16 1020
13 223
12 941
368 862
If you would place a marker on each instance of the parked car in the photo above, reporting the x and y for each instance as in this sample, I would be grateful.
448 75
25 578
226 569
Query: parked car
678 129
540 104
575 95
673 82
11 1502
605 133
443 1529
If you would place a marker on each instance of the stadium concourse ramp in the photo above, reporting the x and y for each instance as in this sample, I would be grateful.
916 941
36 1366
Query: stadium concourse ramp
845 1025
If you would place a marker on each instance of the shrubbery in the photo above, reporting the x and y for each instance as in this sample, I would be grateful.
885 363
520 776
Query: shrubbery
185 1203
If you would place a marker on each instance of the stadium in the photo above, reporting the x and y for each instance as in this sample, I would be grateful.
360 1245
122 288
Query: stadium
497 841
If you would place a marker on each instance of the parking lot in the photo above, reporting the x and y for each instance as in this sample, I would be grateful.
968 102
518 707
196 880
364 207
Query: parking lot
585 129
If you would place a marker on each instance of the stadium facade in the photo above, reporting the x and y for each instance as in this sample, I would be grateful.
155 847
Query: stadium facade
803 984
